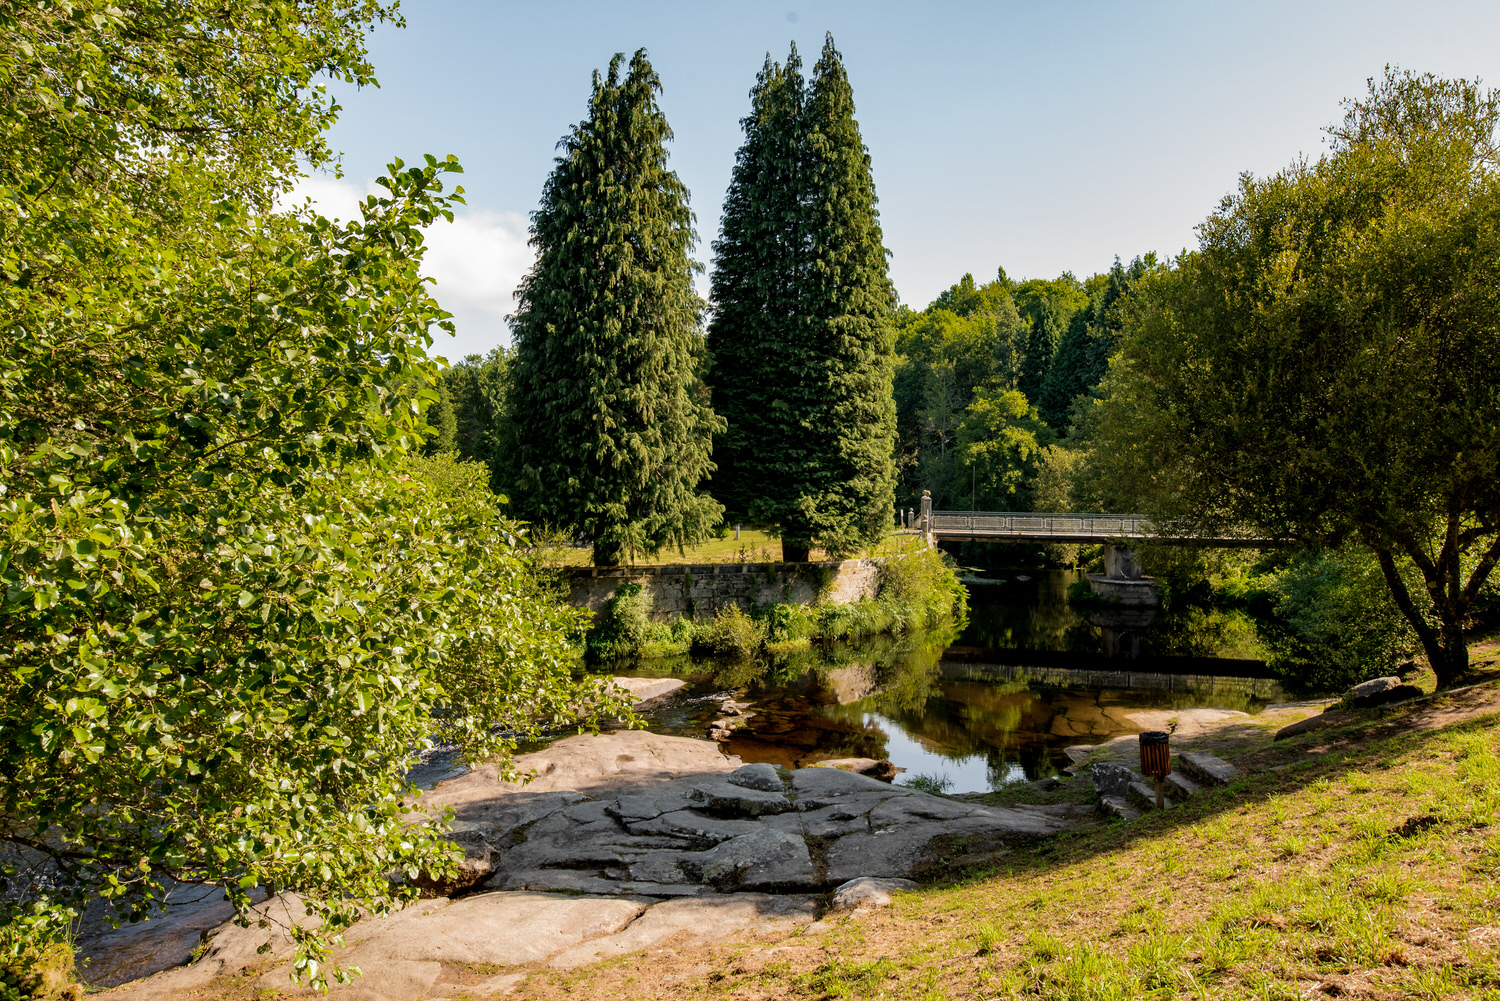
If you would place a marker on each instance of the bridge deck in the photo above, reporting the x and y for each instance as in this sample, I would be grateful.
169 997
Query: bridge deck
1013 526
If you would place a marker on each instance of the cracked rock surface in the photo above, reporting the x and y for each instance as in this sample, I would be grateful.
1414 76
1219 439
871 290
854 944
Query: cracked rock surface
621 842
705 823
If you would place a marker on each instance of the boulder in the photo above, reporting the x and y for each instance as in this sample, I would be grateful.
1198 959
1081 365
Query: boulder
765 859
759 776
1379 692
874 768
646 689
1327 718
1111 779
475 867
726 799
866 892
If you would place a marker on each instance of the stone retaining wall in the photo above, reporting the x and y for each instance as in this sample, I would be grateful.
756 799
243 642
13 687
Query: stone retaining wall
700 590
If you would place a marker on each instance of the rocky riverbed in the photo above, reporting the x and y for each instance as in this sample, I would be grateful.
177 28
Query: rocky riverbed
622 841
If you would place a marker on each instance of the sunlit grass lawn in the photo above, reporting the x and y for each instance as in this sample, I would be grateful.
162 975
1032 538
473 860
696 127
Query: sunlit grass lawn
753 546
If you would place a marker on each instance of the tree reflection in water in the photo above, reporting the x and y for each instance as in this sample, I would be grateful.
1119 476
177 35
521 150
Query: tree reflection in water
984 724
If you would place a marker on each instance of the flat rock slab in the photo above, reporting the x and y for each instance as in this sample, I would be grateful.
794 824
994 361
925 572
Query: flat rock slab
1209 769
605 762
646 689
700 919
664 836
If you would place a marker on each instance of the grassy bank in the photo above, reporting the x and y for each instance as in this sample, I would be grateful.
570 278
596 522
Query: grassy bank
754 545
918 589
1359 861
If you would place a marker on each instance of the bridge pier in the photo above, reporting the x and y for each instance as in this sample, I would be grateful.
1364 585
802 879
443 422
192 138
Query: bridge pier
1122 579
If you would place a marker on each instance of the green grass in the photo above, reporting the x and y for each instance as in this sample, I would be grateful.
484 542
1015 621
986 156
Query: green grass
753 546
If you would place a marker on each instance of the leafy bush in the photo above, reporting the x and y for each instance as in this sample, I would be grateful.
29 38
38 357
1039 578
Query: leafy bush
920 589
625 625
36 959
732 633
787 623
1333 622
233 605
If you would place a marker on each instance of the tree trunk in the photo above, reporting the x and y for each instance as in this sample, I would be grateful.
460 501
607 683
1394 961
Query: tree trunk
795 552
1447 650
608 553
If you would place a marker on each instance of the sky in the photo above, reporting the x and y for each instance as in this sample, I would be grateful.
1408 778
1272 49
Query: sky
1040 137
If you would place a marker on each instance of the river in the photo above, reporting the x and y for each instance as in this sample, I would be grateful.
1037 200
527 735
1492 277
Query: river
977 709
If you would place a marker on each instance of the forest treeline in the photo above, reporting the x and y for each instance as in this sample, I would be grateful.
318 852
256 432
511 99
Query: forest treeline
1306 375
993 388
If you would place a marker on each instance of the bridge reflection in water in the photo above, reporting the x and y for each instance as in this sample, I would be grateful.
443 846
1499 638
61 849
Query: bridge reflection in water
1235 682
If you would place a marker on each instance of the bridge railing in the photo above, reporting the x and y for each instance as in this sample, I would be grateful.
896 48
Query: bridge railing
1040 523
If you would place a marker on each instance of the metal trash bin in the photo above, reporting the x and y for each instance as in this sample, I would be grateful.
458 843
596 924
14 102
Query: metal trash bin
1156 760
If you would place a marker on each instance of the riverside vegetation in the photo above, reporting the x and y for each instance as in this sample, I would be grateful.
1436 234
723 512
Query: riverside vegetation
238 599
918 590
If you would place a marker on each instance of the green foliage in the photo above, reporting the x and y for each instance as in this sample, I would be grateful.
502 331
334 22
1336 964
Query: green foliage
921 589
1000 440
787 623
801 335
1048 307
731 633
36 956
616 437
1326 366
943 357
442 421
484 429
625 625
935 784
1334 623
1090 338
235 601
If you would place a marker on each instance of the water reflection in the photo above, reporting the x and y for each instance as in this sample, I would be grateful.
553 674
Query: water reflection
979 717
1029 611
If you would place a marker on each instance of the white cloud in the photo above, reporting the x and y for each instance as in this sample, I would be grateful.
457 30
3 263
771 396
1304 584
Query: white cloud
477 261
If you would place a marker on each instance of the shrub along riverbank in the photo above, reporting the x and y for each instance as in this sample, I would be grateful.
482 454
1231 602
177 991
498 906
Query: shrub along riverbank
918 589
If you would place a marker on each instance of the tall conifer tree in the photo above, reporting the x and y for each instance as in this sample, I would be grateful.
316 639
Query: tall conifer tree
802 338
615 439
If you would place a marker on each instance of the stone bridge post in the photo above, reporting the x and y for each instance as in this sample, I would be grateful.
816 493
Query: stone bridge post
926 520
1122 579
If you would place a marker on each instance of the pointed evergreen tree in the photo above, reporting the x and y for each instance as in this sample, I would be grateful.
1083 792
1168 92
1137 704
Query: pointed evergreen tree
754 299
1041 344
802 339
614 440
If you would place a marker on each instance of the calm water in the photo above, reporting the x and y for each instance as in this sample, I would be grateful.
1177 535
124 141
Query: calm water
994 704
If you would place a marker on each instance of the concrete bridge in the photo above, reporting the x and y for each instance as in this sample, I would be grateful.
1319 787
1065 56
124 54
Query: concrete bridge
1122 580
1037 526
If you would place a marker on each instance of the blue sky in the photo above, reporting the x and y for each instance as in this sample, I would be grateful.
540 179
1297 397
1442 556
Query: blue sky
1041 136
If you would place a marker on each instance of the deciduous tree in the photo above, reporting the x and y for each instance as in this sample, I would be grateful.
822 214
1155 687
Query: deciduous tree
1326 366
235 603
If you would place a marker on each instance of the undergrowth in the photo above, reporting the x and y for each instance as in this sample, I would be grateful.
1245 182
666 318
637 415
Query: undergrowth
918 590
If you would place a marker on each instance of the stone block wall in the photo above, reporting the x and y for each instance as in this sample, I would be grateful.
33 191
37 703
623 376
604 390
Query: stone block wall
700 590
